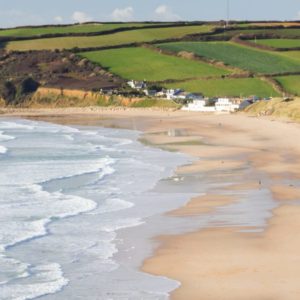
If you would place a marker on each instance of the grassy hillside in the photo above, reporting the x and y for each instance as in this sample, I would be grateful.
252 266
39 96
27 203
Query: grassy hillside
284 32
143 63
242 57
290 83
52 97
140 35
80 28
295 55
266 25
280 43
277 108
67 70
228 87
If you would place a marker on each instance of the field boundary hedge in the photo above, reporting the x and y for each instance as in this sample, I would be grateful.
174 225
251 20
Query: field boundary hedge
96 33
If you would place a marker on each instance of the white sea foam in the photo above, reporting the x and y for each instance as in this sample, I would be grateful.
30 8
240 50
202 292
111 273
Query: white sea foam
14 125
111 205
54 173
69 137
90 132
3 149
11 269
25 173
121 224
28 217
5 137
45 279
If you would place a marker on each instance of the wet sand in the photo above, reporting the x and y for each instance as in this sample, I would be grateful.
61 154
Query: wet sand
236 156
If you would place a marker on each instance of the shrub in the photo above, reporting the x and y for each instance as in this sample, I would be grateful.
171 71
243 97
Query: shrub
8 92
28 86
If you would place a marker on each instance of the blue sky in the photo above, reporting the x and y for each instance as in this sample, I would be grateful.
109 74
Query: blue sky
33 12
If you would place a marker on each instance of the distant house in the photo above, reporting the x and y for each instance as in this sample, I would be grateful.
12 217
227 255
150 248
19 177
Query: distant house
194 96
226 105
173 93
182 95
199 105
150 93
161 93
137 85
107 91
255 98
245 103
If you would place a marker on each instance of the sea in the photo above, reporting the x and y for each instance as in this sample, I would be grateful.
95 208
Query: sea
79 210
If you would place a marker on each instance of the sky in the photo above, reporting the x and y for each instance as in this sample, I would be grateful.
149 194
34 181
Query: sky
36 12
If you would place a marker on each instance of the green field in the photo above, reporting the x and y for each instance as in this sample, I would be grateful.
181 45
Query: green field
240 87
247 58
269 24
290 83
280 43
284 32
295 55
80 28
142 63
140 35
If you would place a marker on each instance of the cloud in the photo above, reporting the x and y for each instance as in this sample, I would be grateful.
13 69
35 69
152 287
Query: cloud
123 14
58 19
165 13
81 17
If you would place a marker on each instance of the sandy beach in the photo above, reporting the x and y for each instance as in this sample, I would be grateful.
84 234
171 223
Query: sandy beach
238 156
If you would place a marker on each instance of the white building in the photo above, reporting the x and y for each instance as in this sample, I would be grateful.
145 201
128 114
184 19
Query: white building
173 93
199 105
182 95
138 85
226 105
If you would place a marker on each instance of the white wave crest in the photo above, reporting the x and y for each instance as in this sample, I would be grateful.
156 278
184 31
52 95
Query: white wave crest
3 150
45 280
4 137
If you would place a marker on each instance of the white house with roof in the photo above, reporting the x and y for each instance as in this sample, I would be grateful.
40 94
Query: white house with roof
199 105
138 85
195 96
173 93
182 95
226 105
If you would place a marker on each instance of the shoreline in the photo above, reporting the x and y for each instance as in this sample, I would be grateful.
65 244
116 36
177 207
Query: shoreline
257 156
211 257
119 224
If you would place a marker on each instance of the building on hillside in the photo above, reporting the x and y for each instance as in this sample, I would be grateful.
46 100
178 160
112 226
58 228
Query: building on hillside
150 93
255 98
107 91
161 94
173 93
137 85
182 95
199 105
194 96
226 105
245 103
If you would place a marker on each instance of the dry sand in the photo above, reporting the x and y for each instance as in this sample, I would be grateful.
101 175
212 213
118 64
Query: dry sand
247 153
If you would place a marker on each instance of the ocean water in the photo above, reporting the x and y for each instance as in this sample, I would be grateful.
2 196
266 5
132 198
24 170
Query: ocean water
78 209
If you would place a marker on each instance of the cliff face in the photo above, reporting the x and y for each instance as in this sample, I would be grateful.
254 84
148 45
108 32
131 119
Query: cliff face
22 73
